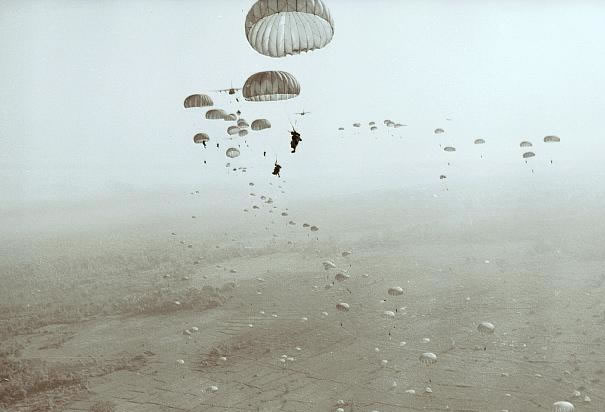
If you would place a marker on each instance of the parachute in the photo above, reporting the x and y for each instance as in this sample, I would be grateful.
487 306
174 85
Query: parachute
486 328
395 291
428 358
327 264
439 131
372 124
525 144
398 125
479 141
281 28
198 100
341 128
271 86
527 155
232 130
551 139
232 152
200 138
215 114
260 124
356 124
230 117
242 123
242 132
449 149
342 307
341 277
442 177
387 122
562 406
314 228
373 128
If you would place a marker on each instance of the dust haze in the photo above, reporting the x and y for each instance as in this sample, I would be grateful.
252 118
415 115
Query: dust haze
139 273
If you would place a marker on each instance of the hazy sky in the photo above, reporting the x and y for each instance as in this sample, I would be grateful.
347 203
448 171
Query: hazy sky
92 92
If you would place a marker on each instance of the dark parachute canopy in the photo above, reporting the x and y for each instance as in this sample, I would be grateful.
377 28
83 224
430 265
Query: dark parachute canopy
198 100
439 131
216 114
260 124
479 141
230 117
201 138
242 132
551 139
242 123
280 28
525 144
271 86
449 149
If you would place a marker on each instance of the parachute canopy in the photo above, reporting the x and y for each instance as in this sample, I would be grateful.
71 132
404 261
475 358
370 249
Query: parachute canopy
479 141
280 28
232 152
373 128
428 358
449 149
551 139
200 138
486 328
395 291
242 132
215 114
271 86
232 130
439 131
198 100
230 117
525 144
356 124
342 307
341 128
527 155
242 123
562 406
260 124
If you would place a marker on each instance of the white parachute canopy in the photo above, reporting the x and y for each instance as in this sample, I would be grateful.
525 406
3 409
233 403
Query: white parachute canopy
270 86
279 28
260 124
232 152
562 406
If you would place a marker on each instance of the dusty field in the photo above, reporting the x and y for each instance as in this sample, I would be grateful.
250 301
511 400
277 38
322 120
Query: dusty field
104 321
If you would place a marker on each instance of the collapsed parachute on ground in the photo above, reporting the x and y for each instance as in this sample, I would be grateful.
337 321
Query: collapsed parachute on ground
198 100
449 149
271 86
281 28
201 138
527 155
525 144
215 114
342 307
232 152
551 139
260 124
479 141
232 130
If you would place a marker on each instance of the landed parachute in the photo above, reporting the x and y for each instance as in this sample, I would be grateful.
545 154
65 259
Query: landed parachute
233 130
525 144
342 307
215 114
527 155
260 124
479 141
201 138
428 358
551 139
198 100
271 86
278 29
395 291
232 152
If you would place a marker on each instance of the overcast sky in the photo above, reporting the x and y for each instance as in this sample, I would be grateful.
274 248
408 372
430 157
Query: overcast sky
92 95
